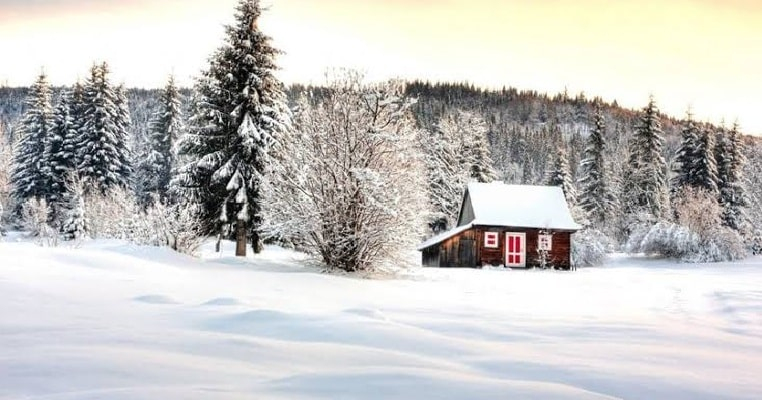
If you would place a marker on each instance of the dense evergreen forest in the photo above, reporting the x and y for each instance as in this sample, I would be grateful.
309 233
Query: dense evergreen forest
524 127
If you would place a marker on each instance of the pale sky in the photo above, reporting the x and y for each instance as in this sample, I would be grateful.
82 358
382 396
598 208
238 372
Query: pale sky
706 54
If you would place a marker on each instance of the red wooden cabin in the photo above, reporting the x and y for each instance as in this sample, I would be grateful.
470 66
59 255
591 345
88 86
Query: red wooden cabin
517 226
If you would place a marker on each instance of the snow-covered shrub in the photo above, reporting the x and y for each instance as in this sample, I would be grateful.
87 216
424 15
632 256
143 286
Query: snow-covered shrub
35 214
112 215
5 186
698 210
349 179
172 227
589 248
721 244
754 242
670 240
674 241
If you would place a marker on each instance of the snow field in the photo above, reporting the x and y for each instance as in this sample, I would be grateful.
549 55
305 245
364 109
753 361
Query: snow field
116 321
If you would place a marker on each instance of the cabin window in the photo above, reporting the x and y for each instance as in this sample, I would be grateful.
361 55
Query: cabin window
545 242
490 240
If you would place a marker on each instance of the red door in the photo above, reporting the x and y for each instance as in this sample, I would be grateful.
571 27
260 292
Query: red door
515 249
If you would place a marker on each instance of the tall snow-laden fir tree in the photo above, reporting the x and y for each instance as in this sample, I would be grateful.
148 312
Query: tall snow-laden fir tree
475 148
60 150
705 166
645 187
596 196
242 113
686 155
560 175
103 146
730 163
77 111
166 127
28 177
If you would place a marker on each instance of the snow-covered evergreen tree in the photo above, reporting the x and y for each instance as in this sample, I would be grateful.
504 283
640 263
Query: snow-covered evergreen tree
645 188
77 112
456 152
60 151
559 174
730 164
446 179
466 133
686 155
704 165
166 127
28 177
596 196
241 114
103 145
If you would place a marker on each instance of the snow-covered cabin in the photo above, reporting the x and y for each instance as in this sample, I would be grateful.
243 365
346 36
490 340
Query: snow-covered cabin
515 226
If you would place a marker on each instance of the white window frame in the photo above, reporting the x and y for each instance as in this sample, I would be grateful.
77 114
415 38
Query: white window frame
545 242
495 236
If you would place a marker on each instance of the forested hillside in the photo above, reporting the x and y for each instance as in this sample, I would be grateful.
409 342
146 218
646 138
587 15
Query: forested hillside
526 133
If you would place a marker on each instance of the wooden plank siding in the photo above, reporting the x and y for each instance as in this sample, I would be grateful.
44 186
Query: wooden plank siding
450 252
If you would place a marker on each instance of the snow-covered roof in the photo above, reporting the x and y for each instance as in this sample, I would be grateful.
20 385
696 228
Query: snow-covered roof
522 206
444 236
519 206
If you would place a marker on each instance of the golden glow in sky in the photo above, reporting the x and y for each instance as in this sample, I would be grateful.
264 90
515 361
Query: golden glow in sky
706 54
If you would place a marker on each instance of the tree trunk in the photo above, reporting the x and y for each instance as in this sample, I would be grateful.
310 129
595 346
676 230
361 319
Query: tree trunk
240 243
256 242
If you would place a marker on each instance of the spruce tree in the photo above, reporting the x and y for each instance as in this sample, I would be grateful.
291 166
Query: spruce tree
165 127
103 146
560 175
686 155
730 163
241 114
77 111
60 150
28 177
645 182
704 166
596 197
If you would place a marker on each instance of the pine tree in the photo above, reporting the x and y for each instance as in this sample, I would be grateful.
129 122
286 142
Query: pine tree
645 182
27 177
103 146
596 197
242 112
60 150
560 175
166 127
730 162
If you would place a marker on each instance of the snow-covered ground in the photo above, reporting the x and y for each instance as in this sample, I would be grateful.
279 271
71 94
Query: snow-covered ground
115 321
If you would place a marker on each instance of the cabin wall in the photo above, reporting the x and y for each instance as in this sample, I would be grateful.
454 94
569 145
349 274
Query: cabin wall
466 250
559 256
459 251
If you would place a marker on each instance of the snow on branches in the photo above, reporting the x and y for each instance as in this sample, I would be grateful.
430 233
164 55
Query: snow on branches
349 184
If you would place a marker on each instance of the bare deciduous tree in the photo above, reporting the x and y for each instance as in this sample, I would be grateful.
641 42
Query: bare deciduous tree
349 185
